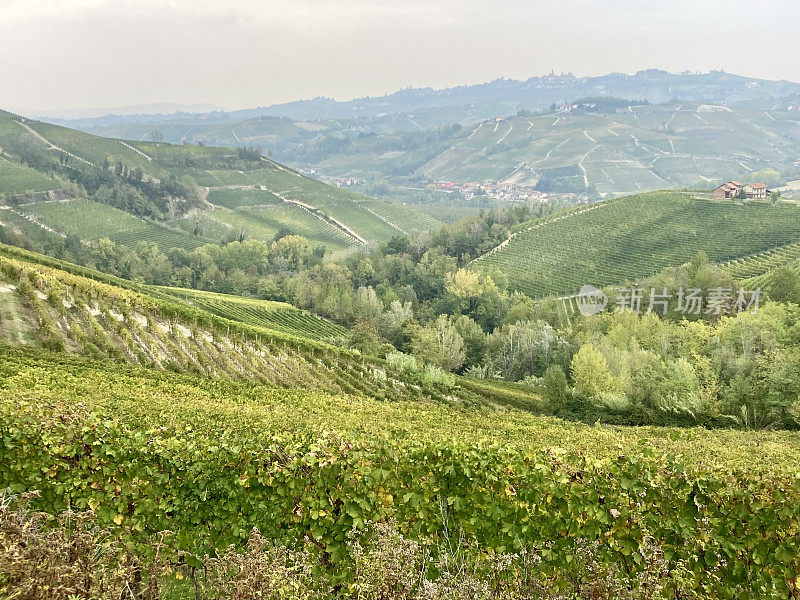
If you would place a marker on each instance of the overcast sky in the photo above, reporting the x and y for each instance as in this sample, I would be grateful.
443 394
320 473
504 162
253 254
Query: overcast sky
60 54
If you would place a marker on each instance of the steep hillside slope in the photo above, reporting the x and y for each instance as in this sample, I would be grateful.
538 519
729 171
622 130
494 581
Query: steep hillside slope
46 307
639 149
247 194
617 240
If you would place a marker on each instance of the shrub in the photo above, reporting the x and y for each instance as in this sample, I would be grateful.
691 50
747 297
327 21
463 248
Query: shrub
404 363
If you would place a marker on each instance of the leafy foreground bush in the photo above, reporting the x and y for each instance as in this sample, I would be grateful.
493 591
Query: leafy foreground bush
209 460
71 557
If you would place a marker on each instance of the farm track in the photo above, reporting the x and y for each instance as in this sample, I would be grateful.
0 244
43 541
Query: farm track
51 145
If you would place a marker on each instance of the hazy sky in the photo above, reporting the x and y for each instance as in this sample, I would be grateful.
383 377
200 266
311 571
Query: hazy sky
57 54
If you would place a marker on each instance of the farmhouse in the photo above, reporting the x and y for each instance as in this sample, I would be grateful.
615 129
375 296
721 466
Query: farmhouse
732 189
728 190
756 190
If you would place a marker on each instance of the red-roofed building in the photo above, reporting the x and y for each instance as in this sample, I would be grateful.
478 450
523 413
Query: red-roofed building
727 190
756 190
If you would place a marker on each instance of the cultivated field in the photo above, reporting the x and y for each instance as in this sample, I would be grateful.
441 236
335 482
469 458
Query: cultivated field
618 240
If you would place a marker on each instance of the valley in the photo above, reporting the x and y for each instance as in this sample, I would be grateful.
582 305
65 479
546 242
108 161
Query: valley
340 349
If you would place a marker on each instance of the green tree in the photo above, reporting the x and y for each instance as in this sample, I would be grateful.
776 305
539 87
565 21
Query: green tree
439 344
556 387
590 372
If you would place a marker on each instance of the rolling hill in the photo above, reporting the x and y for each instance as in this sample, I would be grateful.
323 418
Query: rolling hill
457 104
619 240
683 130
610 148
47 304
208 194
640 148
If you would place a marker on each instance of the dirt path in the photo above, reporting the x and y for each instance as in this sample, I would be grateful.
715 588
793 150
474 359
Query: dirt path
51 145
139 152
505 135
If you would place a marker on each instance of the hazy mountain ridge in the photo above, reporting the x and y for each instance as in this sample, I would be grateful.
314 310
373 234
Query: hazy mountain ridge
534 93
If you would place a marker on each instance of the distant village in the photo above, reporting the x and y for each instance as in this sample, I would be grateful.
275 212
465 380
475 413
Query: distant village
504 192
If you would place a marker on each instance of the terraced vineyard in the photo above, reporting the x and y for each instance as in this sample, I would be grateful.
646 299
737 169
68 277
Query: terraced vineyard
60 311
91 221
19 179
618 240
279 316
234 198
761 263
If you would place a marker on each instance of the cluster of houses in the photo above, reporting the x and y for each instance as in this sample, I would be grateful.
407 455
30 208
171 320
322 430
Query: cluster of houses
507 192
348 181
735 189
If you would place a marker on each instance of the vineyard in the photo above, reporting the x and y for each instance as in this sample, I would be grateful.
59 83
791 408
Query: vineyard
403 218
761 263
368 218
620 240
279 316
264 222
91 221
102 317
267 196
643 148
234 198
209 460
94 149
19 179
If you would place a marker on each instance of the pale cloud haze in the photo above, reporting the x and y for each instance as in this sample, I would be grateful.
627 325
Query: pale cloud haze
243 53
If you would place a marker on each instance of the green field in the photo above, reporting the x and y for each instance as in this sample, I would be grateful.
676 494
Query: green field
618 240
19 179
91 221
279 316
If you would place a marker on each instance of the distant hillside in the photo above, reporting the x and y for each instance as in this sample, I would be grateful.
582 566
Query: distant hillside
620 240
59 181
593 145
634 149
539 92
499 97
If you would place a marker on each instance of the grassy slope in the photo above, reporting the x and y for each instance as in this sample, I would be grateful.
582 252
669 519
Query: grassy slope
636 236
